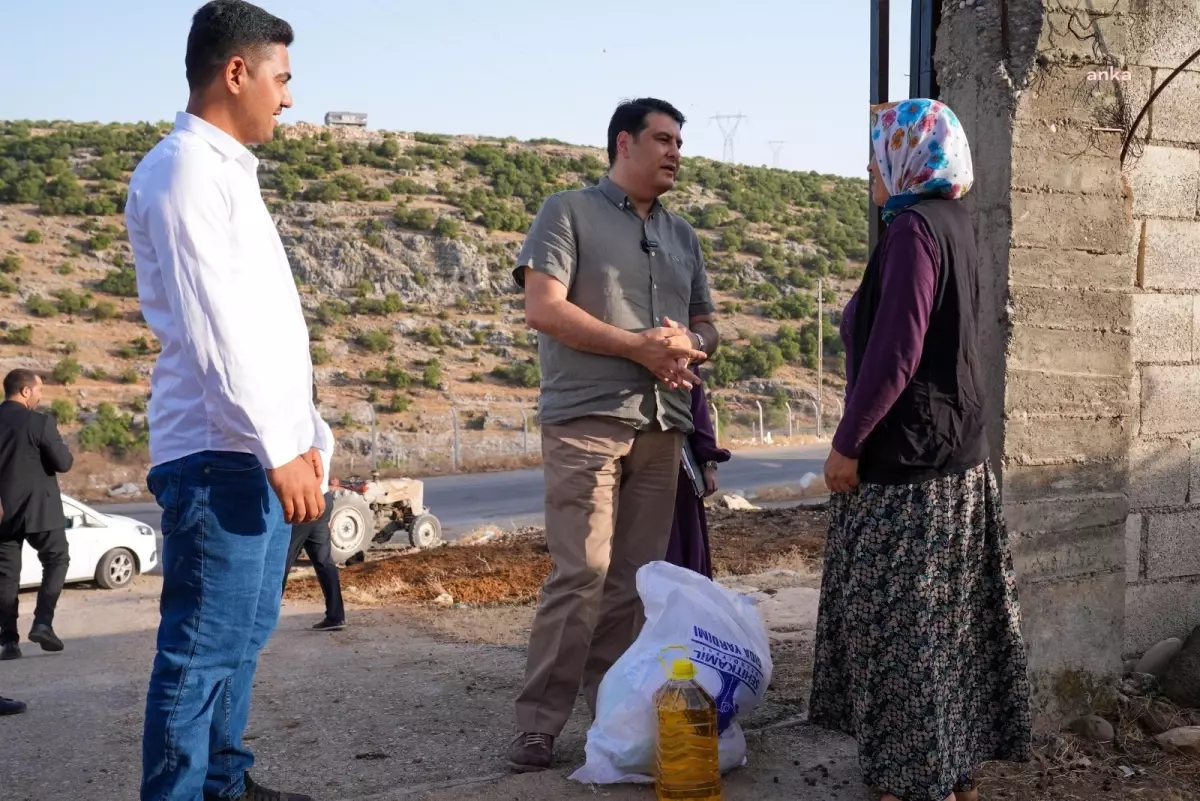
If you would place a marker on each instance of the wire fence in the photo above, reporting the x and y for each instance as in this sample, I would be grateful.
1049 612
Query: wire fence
462 439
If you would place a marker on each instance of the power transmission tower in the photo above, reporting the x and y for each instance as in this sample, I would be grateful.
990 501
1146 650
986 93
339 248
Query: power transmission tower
776 146
729 125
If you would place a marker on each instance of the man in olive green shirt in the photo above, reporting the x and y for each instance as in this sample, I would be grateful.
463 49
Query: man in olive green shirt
610 279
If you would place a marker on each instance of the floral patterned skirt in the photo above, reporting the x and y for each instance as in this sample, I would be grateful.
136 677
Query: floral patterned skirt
919 654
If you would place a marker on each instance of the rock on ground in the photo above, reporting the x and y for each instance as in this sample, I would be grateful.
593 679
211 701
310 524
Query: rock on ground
1158 659
1184 740
1094 728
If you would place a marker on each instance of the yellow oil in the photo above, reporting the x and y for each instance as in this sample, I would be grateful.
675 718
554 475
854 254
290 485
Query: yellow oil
686 755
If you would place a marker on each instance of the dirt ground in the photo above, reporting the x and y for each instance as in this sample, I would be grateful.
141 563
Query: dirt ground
414 699
511 568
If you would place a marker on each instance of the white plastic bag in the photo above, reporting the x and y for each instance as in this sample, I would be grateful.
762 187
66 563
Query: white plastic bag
725 638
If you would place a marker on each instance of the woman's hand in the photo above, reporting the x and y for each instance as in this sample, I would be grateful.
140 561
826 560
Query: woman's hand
710 480
841 472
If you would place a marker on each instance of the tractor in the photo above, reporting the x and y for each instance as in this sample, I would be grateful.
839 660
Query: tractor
367 512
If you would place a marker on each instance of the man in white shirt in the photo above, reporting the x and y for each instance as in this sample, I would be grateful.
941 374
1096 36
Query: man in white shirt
238 451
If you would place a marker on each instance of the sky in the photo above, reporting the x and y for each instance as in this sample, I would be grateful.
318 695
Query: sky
797 69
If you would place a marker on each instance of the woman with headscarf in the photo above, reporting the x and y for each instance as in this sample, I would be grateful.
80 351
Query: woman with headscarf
919 654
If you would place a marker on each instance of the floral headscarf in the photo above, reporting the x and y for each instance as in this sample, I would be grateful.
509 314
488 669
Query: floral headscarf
922 152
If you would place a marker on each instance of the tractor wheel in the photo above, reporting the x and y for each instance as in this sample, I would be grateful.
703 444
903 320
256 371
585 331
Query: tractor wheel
351 525
425 532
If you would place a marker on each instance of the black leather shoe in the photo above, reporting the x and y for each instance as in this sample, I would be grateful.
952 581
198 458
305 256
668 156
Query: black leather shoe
10 707
256 792
10 651
44 636
330 625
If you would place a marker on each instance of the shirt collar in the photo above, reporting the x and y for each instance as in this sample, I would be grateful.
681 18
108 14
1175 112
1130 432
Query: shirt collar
621 200
220 141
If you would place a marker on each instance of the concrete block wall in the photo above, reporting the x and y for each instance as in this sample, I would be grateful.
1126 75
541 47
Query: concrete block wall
1091 278
1162 531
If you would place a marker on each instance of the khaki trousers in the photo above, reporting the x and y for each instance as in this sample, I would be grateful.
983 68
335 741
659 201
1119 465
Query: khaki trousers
610 500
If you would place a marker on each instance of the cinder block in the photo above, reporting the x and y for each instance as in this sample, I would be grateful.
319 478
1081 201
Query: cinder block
1062 514
1094 352
1158 34
1072 268
1093 222
1194 483
1154 612
1165 182
1082 309
1196 327
1070 553
1037 392
1060 172
1159 473
1177 110
1172 260
1173 545
1065 481
1065 138
1170 400
1073 626
1065 94
1133 548
1048 440
1162 328
1057 36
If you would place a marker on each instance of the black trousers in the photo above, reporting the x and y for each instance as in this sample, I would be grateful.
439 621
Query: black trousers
51 547
314 539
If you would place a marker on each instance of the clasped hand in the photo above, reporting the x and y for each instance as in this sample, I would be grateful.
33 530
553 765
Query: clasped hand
667 352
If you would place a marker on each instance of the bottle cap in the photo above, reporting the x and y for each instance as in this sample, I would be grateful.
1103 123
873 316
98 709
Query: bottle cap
683 670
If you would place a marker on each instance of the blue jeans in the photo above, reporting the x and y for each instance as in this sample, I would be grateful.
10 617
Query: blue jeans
224 547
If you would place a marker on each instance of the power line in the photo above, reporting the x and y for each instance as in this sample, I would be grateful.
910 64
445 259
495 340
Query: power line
776 146
729 124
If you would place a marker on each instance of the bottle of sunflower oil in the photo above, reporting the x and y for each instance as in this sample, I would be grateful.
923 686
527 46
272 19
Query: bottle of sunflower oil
686 758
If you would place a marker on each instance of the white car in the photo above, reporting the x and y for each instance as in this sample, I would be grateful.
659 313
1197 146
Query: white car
107 549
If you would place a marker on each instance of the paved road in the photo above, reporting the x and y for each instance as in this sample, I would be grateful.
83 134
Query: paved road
465 502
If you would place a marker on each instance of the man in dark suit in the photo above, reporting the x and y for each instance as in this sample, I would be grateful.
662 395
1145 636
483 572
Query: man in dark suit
32 454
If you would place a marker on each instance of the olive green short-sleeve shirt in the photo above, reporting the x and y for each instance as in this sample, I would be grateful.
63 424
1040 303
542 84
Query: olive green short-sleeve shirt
628 272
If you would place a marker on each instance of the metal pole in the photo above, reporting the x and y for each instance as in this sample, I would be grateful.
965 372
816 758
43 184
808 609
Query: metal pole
820 346
762 433
454 421
880 36
374 445
789 413
716 421
525 431
922 77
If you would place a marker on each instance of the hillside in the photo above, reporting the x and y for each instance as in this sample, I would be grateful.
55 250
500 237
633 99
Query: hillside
402 246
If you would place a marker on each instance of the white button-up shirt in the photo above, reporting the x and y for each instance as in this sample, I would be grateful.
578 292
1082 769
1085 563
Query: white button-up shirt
235 372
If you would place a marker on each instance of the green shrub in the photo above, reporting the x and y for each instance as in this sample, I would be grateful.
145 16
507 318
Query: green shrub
40 307
121 282
64 411
320 355
111 430
71 302
524 373
433 337
33 236
104 310
432 377
398 403
20 336
10 264
129 376
67 371
7 286
374 341
99 242
448 227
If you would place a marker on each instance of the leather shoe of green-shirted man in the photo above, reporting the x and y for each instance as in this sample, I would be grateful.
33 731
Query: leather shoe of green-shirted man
615 408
